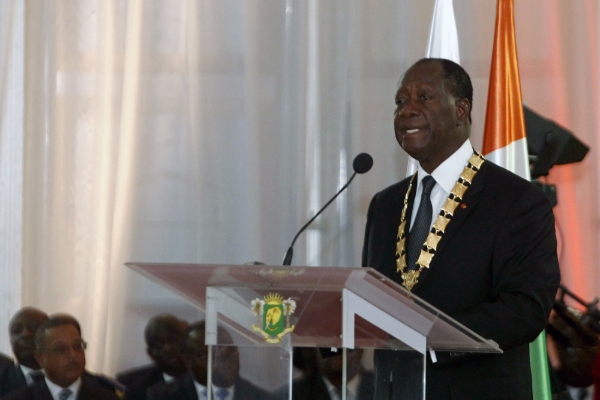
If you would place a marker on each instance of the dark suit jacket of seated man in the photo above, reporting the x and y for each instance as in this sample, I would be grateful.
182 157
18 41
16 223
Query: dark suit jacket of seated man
184 388
225 371
495 268
90 389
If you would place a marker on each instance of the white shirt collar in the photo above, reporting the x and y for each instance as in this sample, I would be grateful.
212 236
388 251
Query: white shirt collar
168 378
351 388
448 171
55 389
27 373
200 390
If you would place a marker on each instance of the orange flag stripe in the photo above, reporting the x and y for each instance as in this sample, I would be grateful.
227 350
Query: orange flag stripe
504 121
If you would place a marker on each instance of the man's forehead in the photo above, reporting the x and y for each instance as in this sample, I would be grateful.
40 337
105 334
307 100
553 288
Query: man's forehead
28 316
426 73
62 333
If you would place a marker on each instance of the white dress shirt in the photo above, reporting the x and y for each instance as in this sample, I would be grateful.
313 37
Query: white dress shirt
445 175
55 389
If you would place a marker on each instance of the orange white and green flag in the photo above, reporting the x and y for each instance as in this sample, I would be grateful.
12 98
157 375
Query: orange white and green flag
505 143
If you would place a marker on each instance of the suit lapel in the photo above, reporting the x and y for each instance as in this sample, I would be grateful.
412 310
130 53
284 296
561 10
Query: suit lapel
41 391
20 377
460 214
189 388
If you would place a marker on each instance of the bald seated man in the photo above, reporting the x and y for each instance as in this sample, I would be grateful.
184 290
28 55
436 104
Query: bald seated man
22 372
164 335
227 383
60 351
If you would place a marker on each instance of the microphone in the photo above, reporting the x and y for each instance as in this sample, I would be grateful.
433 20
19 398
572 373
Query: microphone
362 163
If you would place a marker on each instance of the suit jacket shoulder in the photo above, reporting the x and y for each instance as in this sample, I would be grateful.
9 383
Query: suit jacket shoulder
138 381
92 389
11 379
38 391
244 390
310 387
141 373
182 388
89 390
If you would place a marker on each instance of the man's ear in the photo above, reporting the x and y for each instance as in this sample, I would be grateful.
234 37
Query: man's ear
38 357
463 107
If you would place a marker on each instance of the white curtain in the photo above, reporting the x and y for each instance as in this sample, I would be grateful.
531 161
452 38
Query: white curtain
210 131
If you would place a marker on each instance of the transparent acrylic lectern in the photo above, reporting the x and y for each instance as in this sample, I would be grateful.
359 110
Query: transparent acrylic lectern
268 310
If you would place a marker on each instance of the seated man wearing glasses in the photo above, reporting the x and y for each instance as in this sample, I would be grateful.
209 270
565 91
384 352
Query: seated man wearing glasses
60 353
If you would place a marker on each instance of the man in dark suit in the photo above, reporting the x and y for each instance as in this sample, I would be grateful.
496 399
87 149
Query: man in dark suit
326 382
22 328
227 384
490 262
60 353
164 335
6 364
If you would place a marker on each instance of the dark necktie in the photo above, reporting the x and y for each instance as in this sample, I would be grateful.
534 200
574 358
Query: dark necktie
421 226
64 394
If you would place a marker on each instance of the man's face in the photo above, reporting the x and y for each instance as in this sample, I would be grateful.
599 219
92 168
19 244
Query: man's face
226 359
427 116
165 347
22 331
63 356
226 365
197 356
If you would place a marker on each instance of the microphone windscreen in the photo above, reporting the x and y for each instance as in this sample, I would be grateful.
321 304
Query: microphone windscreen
362 163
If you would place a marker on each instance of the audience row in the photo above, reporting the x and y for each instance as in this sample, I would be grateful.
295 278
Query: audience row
49 363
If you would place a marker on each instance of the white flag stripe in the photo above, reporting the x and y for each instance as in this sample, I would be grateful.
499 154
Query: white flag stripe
443 43
513 157
443 37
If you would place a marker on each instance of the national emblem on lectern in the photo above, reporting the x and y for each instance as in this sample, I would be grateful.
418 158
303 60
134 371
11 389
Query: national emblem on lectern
273 316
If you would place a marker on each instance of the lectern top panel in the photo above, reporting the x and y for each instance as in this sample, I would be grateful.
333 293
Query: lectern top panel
380 309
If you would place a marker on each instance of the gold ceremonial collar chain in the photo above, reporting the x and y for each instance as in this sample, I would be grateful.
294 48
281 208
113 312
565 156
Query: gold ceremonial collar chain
411 277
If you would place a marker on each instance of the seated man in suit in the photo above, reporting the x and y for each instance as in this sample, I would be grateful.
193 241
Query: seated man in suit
22 372
326 382
164 335
227 384
60 353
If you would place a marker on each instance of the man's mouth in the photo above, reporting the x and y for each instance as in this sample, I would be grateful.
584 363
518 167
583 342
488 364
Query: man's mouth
73 365
410 131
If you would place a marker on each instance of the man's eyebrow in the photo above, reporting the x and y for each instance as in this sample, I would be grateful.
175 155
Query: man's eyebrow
399 83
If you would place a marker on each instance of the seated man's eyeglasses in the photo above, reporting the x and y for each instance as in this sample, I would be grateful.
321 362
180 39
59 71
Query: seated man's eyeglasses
62 349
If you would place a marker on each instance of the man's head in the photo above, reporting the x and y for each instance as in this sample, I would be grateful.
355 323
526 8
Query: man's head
433 110
22 328
60 349
226 360
164 336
